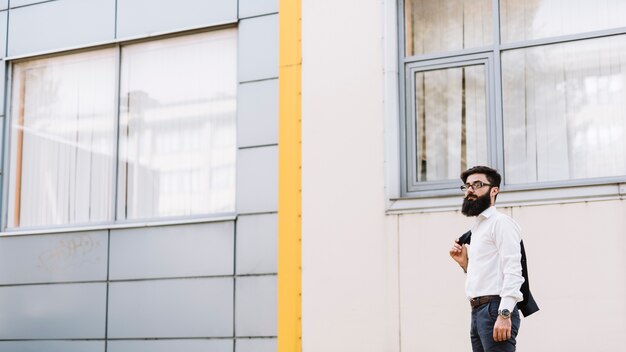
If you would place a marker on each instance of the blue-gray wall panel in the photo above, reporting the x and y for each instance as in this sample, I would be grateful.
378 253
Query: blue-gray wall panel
171 308
60 24
217 345
80 256
173 251
51 346
258 48
257 113
257 248
249 8
141 17
256 345
3 42
63 311
3 65
257 180
4 4
18 3
256 306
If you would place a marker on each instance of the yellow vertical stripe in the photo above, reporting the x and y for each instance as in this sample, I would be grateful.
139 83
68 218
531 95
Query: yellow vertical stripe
289 177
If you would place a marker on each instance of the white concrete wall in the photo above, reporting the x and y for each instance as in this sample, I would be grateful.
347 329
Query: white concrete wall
577 264
377 282
349 266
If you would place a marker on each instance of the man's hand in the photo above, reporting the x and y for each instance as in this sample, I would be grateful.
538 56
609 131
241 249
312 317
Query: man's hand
459 254
502 329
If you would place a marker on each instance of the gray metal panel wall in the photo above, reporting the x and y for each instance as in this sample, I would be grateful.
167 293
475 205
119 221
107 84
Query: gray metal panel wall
171 308
257 180
177 281
257 177
258 48
257 244
4 16
61 311
20 3
80 256
257 113
256 306
51 346
60 24
3 65
140 17
256 345
217 345
173 251
251 8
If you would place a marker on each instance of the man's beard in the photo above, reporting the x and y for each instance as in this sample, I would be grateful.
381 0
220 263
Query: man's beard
473 207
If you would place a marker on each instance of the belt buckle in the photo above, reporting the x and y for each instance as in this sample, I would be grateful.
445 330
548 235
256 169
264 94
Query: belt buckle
474 302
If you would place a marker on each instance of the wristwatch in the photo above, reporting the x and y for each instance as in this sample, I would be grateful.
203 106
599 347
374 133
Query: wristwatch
504 313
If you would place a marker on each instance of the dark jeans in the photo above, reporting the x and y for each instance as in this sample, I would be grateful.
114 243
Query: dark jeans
481 333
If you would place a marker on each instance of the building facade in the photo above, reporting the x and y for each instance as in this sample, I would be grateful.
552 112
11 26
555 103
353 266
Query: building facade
262 175
139 175
398 98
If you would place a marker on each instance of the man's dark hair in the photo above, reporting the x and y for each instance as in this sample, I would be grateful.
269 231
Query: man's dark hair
492 175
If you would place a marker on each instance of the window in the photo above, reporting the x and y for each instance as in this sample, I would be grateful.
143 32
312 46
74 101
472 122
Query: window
536 90
139 131
449 25
564 111
449 127
62 140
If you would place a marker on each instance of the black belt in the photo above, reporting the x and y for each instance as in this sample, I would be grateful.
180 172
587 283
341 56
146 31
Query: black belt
479 301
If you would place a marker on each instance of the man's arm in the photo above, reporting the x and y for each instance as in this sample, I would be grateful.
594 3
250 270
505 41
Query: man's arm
507 238
459 254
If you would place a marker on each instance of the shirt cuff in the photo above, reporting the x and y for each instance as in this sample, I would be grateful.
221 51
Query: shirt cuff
507 303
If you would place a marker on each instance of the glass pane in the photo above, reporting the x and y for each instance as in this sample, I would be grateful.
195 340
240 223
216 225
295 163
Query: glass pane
62 140
177 127
451 122
433 26
564 109
526 20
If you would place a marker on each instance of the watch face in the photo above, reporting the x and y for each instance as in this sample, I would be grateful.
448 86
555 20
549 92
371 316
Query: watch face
505 313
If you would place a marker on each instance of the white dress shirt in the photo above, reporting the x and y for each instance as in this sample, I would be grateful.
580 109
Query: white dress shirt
494 266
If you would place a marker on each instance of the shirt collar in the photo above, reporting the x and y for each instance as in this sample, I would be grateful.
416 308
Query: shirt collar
487 212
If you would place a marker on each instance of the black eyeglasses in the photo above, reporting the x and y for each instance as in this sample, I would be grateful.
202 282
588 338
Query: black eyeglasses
475 186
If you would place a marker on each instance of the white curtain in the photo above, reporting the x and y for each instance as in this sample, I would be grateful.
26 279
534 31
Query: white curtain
62 140
176 133
564 109
451 121
177 126
535 19
433 26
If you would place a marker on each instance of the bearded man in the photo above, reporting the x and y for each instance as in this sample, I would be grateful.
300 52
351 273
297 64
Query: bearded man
493 264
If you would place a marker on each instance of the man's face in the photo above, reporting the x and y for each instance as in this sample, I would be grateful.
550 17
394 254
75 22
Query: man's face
477 200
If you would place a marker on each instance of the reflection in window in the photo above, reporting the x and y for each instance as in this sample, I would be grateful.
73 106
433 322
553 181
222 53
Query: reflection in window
451 121
62 140
433 26
526 20
175 138
564 111
177 126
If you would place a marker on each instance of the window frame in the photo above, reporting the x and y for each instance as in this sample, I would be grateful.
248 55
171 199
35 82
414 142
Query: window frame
411 196
114 222
409 127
